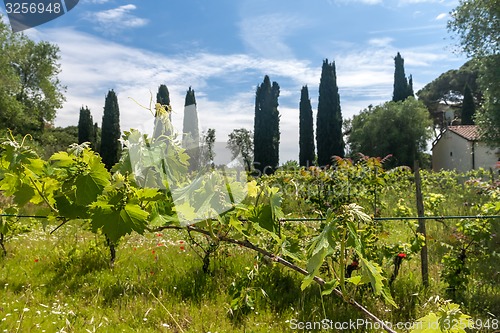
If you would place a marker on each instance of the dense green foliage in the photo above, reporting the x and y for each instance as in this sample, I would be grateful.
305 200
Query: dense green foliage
266 127
349 252
240 142
55 139
306 130
448 90
400 129
110 147
30 92
468 107
86 128
329 136
163 95
190 130
403 86
476 25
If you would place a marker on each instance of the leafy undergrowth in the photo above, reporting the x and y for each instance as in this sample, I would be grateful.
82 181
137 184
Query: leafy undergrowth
64 283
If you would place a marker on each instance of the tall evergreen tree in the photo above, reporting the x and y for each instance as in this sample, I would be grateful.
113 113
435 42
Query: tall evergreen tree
329 138
163 96
402 89
411 93
468 107
191 133
266 127
306 131
110 133
85 127
96 137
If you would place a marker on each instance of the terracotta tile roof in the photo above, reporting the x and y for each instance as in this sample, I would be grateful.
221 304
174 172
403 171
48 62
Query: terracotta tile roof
468 132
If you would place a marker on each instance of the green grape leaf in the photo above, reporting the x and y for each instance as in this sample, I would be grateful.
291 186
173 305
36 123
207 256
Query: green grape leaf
373 273
62 160
117 223
24 194
330 287
90 185
69 209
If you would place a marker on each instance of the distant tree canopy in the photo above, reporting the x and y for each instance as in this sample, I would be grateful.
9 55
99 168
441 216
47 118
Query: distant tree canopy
397 128
448 89
110 149
241 142
30 91
329 136
190 130
476 25
56 139
403 86
306 131
266 127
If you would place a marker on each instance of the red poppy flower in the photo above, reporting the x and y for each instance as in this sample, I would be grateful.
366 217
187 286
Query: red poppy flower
402 255
36 260
159 235
182 248
153 252
181 242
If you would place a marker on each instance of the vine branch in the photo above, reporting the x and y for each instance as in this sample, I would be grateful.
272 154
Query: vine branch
285 263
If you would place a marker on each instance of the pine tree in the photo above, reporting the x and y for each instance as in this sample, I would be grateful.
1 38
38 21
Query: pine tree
191 133
329 138
306 132
110 134
266 127
402 89
468 107
86 127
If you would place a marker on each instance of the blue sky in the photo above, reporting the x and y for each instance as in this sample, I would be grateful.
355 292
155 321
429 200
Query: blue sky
223 49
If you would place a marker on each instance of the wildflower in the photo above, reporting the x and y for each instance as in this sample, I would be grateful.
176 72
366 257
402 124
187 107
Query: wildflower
182 248
153 252
181 242
159 235
402 255
36 260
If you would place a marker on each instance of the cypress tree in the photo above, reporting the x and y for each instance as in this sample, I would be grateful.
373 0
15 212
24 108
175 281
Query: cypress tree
266 127
96 137
329 138
191 133
306 132
411 93
86 127
110 133
468 107
163 96
402 89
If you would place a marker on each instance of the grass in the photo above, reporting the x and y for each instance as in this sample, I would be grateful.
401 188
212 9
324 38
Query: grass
64 282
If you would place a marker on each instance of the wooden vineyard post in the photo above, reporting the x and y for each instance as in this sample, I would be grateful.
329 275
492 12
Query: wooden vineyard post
421 226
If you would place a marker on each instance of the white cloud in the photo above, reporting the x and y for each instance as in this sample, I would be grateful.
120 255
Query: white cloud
441 16
114 20
266 34
381 42
91 66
